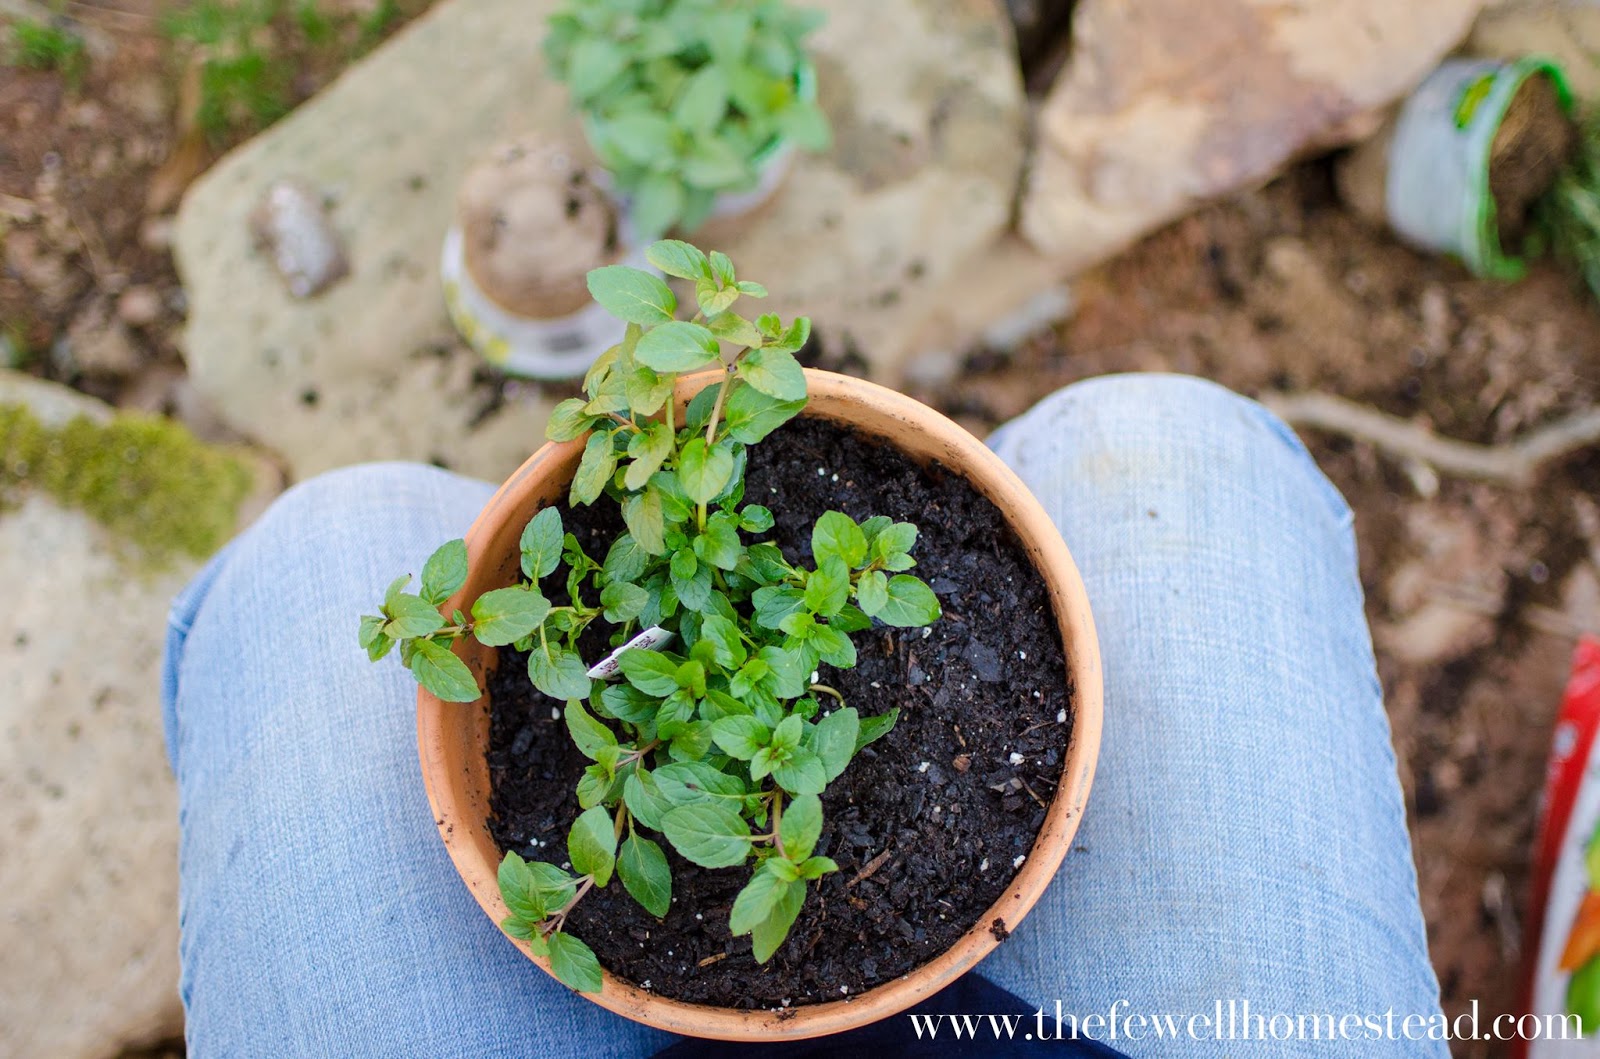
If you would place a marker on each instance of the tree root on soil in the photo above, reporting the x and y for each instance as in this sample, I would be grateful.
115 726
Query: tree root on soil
1512 463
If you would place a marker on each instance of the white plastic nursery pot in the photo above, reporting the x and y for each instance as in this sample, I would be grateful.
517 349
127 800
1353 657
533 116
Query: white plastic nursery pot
453 738
559 348
1437 192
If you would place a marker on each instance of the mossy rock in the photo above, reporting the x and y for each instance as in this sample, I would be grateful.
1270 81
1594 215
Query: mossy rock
147 479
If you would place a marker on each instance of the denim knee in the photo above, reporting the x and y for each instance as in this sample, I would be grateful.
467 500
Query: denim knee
1192 419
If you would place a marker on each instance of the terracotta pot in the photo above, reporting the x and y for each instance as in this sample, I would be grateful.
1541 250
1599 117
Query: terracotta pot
452 738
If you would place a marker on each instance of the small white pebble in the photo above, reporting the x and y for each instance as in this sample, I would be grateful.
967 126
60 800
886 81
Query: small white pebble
844 989
922 767
927 631
876 684
1016 758
1037 695
555 714
835 478
821 472
697 915
1015 864
1061 716
784 1001
774 490
646 981
984 864
815 675
1022 655
669 952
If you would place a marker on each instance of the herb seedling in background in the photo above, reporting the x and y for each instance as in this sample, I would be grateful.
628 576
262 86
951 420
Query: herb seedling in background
47 46
1567 218
722 744
683 99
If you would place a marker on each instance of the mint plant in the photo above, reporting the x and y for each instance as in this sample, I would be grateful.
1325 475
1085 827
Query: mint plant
683 99
723 744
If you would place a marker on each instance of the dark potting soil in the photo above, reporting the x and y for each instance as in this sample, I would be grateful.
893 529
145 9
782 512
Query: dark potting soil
1535 140
928 825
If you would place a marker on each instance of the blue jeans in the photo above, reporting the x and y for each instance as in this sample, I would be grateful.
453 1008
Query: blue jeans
1245 840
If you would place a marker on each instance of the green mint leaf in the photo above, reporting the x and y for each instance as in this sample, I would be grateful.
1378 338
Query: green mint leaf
644 799
522 929
806 125
677 346
833 646
627 703
625 560
506 615
594 787
633 295
775 603
702 103
751 289
649 449
558 672
592 64
719 544
568 420
755 519
801 827
828 587
412 616
645 390
728 650
775 373
816 867
715 301
644 872
709 834
722 268
837 535
691 742
834 741
695 782
592 844
872 592
599 463
623 601
445 572
392 593
911 603
794 339
659 198
731 327
677 258
704 471
756 901
541 544
897 538
646 523
442 673
875 728
652 672
740 736
802 773
519 889
574 963
588 734
770 932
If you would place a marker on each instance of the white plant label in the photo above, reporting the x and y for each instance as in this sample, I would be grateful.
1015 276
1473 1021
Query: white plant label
652 639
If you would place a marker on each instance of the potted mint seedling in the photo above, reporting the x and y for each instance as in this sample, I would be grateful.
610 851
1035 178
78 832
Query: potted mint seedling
694 106
699 732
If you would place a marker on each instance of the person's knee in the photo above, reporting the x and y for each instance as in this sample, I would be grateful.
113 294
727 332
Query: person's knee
1128 426
351 491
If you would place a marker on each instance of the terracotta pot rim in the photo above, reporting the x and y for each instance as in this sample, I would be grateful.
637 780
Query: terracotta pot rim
833 397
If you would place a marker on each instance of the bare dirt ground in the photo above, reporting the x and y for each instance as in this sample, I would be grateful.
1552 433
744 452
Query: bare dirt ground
1475 592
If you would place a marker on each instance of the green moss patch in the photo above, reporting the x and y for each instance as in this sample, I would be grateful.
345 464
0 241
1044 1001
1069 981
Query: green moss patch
147 479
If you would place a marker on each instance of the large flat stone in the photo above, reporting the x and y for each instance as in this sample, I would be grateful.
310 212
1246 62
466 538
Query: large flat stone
1166 103
928 110
88 865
